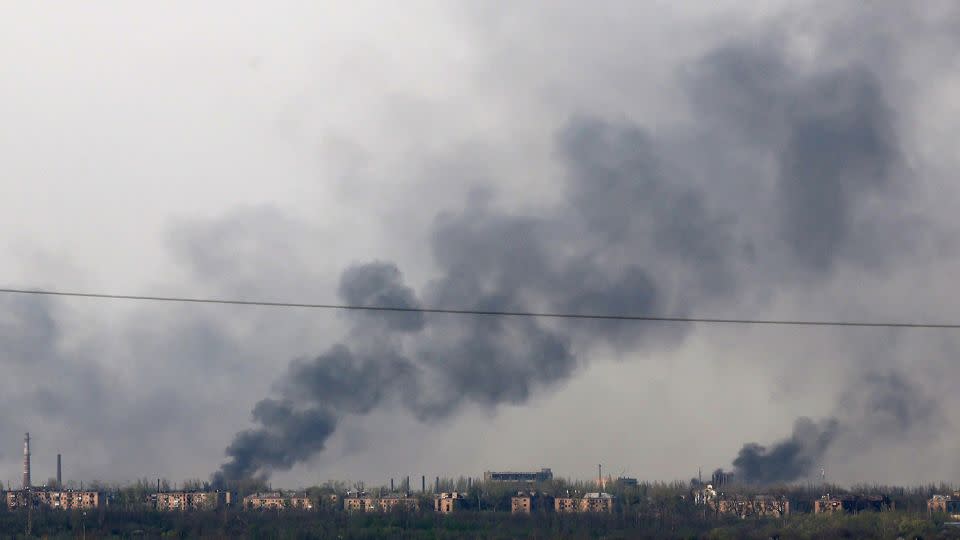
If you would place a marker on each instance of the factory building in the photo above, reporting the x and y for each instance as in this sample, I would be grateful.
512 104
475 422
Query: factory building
543 475
52 496
26 484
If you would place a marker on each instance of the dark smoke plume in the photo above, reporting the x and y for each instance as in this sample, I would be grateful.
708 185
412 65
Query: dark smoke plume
879 408
633 234
492 261
789 459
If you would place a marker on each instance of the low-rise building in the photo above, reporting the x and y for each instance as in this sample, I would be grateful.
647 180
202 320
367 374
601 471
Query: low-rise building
757 506
276 501
852 504
329 500
530 502
447 503
947 504
359 503
591 502
389 503
57 499
191 500
364 503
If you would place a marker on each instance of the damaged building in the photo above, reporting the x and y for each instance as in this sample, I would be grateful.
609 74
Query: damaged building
756 506
528 502
53 495
543 475
852 504
361 502
740 505
447 503
191 500
945 504
589 503
277 500
55 499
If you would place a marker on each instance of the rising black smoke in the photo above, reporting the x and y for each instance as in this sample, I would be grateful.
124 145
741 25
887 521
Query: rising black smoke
569 261
789 459
635 233
875 410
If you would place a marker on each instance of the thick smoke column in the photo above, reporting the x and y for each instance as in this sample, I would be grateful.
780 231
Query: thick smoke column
635 233
492 261
789 459
877 409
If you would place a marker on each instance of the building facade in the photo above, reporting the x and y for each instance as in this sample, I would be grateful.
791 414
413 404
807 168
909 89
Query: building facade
591 502
277 501
543 475
191 500
758 506
530 502
389 503
948 504
57 499
447 503
852 504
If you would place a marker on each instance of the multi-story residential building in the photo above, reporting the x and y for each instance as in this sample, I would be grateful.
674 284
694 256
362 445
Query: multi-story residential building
948 504
191 500
388 503
852 504
591 502
58 499
530 502
446 503
276 501
359 503
758 506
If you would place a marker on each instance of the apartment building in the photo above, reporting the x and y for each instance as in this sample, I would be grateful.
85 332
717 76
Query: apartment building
276 501
530 502
591 502
191 500
852 504
387 503
57 499
758 506
948 504
447 503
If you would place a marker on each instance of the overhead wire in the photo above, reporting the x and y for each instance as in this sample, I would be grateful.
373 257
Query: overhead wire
482 312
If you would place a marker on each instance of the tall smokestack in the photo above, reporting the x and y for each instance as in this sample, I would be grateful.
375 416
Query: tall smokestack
59 474
26 462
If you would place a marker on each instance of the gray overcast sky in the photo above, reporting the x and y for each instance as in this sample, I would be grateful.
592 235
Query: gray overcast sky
724 158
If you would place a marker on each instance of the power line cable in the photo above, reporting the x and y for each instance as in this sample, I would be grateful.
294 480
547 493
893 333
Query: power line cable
537 314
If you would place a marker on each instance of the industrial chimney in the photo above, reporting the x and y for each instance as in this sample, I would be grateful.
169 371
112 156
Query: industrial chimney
26 462
59 476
